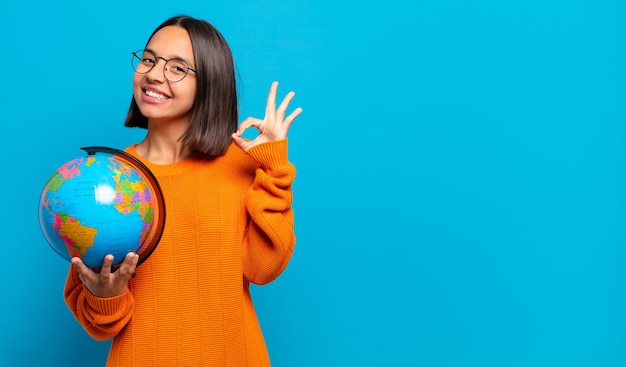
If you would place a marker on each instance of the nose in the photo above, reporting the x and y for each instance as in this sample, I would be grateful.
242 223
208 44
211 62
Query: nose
157 72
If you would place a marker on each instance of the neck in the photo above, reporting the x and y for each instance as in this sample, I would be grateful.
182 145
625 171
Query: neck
162 144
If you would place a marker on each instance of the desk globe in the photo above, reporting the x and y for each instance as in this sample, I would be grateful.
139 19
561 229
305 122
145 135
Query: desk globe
105 202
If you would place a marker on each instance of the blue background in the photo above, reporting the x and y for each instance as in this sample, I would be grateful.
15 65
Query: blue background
461 178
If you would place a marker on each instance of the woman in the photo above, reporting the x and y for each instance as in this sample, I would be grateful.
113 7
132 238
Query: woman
229 216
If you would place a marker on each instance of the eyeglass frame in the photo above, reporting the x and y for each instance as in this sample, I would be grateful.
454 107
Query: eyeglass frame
132 62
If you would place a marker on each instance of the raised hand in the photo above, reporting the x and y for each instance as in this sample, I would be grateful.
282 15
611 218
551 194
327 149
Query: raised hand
107 283
273 126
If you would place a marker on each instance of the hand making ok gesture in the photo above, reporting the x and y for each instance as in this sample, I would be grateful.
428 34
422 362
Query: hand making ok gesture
274 125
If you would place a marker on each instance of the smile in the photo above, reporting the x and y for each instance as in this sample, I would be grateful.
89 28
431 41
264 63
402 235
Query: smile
155 95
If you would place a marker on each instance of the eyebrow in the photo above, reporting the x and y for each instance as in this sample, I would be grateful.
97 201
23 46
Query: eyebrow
172 57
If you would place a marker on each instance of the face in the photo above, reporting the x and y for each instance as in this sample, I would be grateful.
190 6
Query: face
157 98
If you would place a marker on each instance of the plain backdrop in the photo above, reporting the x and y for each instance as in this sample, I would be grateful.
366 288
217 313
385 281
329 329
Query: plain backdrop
461 189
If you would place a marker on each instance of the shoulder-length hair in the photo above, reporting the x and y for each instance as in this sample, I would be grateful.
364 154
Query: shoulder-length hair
214 113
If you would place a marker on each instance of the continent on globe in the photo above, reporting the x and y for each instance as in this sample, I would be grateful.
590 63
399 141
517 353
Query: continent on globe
78 238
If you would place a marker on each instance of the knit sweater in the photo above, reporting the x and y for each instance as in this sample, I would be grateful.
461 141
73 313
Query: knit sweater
228 223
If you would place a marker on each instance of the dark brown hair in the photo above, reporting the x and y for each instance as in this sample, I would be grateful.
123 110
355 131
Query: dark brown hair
214 113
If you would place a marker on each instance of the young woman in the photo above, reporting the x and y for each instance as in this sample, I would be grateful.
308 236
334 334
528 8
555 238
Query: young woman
229 217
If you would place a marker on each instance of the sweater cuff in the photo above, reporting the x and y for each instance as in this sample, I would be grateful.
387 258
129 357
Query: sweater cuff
109 305
271 155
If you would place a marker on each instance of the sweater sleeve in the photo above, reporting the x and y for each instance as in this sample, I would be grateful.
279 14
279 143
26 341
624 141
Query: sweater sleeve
270 239
102 318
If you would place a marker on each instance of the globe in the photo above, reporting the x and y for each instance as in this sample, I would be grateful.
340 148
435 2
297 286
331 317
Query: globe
104 202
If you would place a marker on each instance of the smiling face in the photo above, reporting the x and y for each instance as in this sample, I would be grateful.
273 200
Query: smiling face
157 98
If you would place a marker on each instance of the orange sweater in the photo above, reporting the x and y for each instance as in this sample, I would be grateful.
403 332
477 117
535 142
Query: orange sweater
228 223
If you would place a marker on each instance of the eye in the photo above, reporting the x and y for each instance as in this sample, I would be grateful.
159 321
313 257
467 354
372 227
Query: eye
148 60
177 67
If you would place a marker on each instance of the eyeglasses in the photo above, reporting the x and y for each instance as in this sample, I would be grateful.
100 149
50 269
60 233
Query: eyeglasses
174 69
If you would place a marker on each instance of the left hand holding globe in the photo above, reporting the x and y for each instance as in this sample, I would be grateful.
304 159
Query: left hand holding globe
106 282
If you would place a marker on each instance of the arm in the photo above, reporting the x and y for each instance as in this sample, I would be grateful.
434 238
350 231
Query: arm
105 315
270 240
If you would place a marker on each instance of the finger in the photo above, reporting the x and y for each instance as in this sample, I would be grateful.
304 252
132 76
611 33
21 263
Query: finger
128 266
83 271
283 105
105 270
238 140
270 108
245 144
133 260
250 121
292 116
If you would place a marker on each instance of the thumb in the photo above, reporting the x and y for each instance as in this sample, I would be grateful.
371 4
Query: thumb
238 140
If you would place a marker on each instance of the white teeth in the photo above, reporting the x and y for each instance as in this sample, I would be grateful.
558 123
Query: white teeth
155 95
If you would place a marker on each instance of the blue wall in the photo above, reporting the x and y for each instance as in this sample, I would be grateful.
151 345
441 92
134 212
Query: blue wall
461 189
